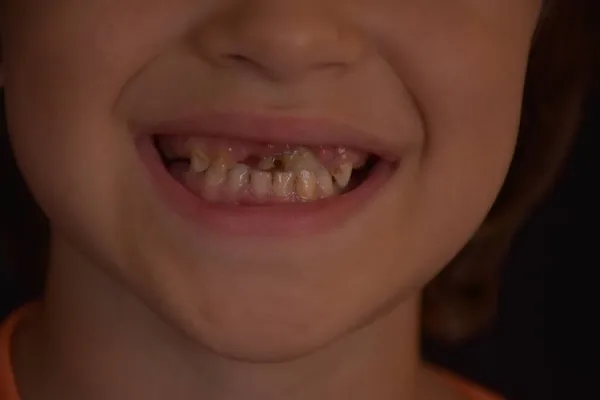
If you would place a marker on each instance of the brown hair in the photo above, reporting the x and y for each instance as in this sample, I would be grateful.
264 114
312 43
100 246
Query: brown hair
462 298
564 55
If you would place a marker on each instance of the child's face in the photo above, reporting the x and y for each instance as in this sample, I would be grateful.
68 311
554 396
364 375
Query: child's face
436 83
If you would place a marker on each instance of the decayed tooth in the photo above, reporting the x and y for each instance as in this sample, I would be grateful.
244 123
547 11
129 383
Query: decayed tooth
288 158
291 155
342 175
266 163
301 159
306 185
261 182
238 177
325 183
216 174
199 161
283 183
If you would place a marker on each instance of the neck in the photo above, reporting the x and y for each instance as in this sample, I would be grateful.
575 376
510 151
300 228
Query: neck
98 341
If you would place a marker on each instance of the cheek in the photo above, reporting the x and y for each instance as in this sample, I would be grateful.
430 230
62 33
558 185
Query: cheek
63 75
471 111
69 151
467 83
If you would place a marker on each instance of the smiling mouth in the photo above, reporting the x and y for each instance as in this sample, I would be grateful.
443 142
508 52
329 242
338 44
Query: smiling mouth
242 172
258 176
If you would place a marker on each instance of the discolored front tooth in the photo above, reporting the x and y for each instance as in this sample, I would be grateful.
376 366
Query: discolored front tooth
289 157
261 182
325 183
217 173
306 185
199 161
238 177
283 183
342 175
301 159
266 163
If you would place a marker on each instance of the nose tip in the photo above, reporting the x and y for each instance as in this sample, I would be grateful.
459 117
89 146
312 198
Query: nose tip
280 40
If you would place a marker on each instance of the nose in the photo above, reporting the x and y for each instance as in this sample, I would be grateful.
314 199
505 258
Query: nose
282 40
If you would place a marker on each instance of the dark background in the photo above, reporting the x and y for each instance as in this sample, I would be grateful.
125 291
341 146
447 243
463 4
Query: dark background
519 356
512 357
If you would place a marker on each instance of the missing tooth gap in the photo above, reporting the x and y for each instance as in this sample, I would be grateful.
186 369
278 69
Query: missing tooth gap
166 161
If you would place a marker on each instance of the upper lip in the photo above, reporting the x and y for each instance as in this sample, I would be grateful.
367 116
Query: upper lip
300 131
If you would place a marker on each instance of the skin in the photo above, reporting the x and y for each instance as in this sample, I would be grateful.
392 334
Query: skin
143 304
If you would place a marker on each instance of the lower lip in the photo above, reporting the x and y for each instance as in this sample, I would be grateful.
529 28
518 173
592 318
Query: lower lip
297 219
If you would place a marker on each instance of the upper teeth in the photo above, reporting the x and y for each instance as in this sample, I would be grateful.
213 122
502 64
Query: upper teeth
267 163
306 185
301 159
342 174
325 182
199 161
302 173
238 177
262 183
283 184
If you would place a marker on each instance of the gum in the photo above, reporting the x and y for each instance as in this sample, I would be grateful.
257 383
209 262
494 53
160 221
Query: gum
240 151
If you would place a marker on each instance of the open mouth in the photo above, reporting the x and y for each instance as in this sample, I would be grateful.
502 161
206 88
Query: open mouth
260 176
244 172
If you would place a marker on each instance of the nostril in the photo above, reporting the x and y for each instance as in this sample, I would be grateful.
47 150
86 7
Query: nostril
237 58
240 60
333 65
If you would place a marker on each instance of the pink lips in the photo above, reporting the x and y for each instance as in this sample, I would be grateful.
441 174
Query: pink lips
282 220
274 130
